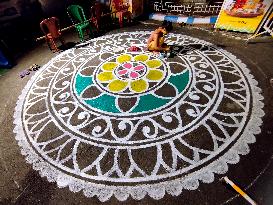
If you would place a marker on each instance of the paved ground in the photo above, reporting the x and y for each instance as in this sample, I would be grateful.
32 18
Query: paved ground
20 184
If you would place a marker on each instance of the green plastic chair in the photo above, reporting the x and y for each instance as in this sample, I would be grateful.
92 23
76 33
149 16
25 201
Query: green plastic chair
77 16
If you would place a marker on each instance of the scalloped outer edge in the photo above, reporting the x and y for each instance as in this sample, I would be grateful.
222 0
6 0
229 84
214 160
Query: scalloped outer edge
155 191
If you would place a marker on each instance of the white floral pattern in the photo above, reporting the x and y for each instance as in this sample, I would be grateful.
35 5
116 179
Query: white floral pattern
151 152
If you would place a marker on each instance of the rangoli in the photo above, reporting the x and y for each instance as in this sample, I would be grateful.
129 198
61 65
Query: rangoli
113 122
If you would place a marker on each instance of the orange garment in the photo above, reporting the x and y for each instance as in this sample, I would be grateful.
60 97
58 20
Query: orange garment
154 46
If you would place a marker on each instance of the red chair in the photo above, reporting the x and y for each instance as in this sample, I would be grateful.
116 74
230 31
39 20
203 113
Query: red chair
121 10
100 13
51 28
96 14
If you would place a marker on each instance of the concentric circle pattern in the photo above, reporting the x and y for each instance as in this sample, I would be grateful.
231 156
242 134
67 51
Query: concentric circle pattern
112 122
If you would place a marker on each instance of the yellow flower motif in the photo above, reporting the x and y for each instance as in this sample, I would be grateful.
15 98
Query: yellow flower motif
154 75
105 76
109 66
153 63
132 80
141 58
117 85
124 58
139 85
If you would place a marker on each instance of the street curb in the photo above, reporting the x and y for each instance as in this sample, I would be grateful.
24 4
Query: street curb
183 19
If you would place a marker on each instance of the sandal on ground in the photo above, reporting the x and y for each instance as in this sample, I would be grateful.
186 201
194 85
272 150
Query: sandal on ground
34 67
24 73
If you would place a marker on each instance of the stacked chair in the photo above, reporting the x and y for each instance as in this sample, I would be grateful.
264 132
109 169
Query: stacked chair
77 16
51 28
121 11
118 10
99 14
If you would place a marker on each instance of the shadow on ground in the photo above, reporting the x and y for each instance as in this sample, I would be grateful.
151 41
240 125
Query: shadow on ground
177 49
67 46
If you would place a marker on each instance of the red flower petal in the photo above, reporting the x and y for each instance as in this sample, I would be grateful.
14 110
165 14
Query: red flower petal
122 72
139 67
127 65
134 75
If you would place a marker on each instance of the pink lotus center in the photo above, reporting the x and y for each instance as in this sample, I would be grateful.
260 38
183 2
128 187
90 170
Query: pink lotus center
130 70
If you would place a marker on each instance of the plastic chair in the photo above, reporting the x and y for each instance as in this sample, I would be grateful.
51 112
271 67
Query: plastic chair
121 10
100 14
77 16
51 28
96 15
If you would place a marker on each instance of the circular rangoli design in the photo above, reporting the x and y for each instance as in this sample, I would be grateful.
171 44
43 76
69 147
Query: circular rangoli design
113 122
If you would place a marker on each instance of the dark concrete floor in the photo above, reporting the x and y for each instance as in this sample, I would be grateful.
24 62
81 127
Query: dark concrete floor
20 184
